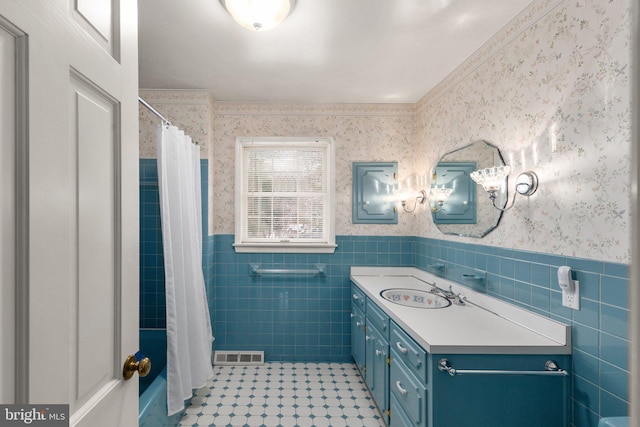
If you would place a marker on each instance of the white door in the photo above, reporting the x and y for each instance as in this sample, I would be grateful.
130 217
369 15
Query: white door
75 141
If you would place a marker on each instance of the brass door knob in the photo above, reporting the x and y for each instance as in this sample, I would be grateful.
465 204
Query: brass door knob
133 365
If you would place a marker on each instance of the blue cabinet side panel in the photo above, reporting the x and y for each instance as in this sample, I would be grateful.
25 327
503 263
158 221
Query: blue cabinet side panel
500 400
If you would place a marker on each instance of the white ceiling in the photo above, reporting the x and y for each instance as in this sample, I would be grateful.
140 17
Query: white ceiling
326 51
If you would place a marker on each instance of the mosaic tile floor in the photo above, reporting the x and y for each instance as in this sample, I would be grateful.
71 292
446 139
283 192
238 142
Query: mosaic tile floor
284 394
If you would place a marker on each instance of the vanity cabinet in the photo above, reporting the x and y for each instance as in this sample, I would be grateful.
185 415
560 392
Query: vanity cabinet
358 304
377 357
498 400
377 377
422 395
377 318
410 353
370 347
409 388
408 380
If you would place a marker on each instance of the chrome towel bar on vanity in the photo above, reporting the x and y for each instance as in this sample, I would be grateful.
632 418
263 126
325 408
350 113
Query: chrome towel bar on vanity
550 369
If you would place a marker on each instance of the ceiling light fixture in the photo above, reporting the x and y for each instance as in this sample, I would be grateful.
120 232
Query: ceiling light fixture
259 15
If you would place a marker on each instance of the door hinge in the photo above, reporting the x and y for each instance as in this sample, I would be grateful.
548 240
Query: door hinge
364 369
389 412
389 360
364 328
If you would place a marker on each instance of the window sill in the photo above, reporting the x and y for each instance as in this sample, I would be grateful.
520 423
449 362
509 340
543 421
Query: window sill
299 248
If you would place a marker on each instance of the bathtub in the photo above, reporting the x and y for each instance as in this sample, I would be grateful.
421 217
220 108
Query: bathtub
153 387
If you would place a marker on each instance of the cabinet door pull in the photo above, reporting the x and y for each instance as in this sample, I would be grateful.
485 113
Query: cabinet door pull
356 297
400 389
367 337
401 348
358 324
378 352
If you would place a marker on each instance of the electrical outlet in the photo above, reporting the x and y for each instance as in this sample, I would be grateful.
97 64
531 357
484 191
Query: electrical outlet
572 299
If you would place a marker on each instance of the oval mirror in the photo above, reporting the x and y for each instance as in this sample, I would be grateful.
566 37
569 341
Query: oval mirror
458 205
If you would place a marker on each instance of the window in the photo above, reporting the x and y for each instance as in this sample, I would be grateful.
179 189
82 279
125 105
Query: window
285 195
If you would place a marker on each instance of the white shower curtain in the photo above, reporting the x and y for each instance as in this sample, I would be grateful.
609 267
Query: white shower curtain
189 336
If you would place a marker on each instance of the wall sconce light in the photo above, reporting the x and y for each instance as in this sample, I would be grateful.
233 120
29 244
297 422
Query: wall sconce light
437 196
492 180
420 197
259 15
411 189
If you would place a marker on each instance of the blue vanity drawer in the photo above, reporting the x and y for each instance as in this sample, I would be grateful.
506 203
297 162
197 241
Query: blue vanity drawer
410 393
378 318
357 298
398 418
410 352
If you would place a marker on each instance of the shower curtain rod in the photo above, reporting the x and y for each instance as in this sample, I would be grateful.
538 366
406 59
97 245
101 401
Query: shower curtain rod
163 118
154 111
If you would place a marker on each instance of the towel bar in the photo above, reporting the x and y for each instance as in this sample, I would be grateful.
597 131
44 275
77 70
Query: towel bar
318 270
550 369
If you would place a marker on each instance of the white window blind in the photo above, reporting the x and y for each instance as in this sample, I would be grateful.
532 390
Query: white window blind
284 193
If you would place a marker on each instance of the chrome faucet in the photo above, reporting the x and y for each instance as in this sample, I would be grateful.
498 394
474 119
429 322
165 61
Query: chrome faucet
457 299
447 294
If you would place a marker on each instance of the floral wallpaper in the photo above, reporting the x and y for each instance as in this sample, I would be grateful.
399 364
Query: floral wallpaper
552 91
377 132
187 109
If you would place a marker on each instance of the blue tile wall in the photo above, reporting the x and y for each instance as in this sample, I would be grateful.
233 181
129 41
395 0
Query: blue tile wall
152 296
294 318
599 328
300 319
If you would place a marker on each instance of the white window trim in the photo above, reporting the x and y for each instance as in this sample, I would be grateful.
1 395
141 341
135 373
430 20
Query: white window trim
241 245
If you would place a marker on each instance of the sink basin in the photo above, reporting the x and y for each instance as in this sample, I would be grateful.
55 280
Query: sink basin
415 298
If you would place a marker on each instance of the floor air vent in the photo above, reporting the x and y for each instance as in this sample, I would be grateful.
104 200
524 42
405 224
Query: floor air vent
238 358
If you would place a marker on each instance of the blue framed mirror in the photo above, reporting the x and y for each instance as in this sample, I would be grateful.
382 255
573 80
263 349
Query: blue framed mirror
462 213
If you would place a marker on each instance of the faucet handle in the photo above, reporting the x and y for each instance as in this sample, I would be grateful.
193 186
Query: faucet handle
449 293
458 299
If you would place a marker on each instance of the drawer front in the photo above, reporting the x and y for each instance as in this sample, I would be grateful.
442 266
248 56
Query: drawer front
377 369
406 349
378 317
358 338
410 393
398 418
357 298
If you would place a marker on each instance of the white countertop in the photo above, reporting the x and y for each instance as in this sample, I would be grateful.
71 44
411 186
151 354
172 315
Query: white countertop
484 325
